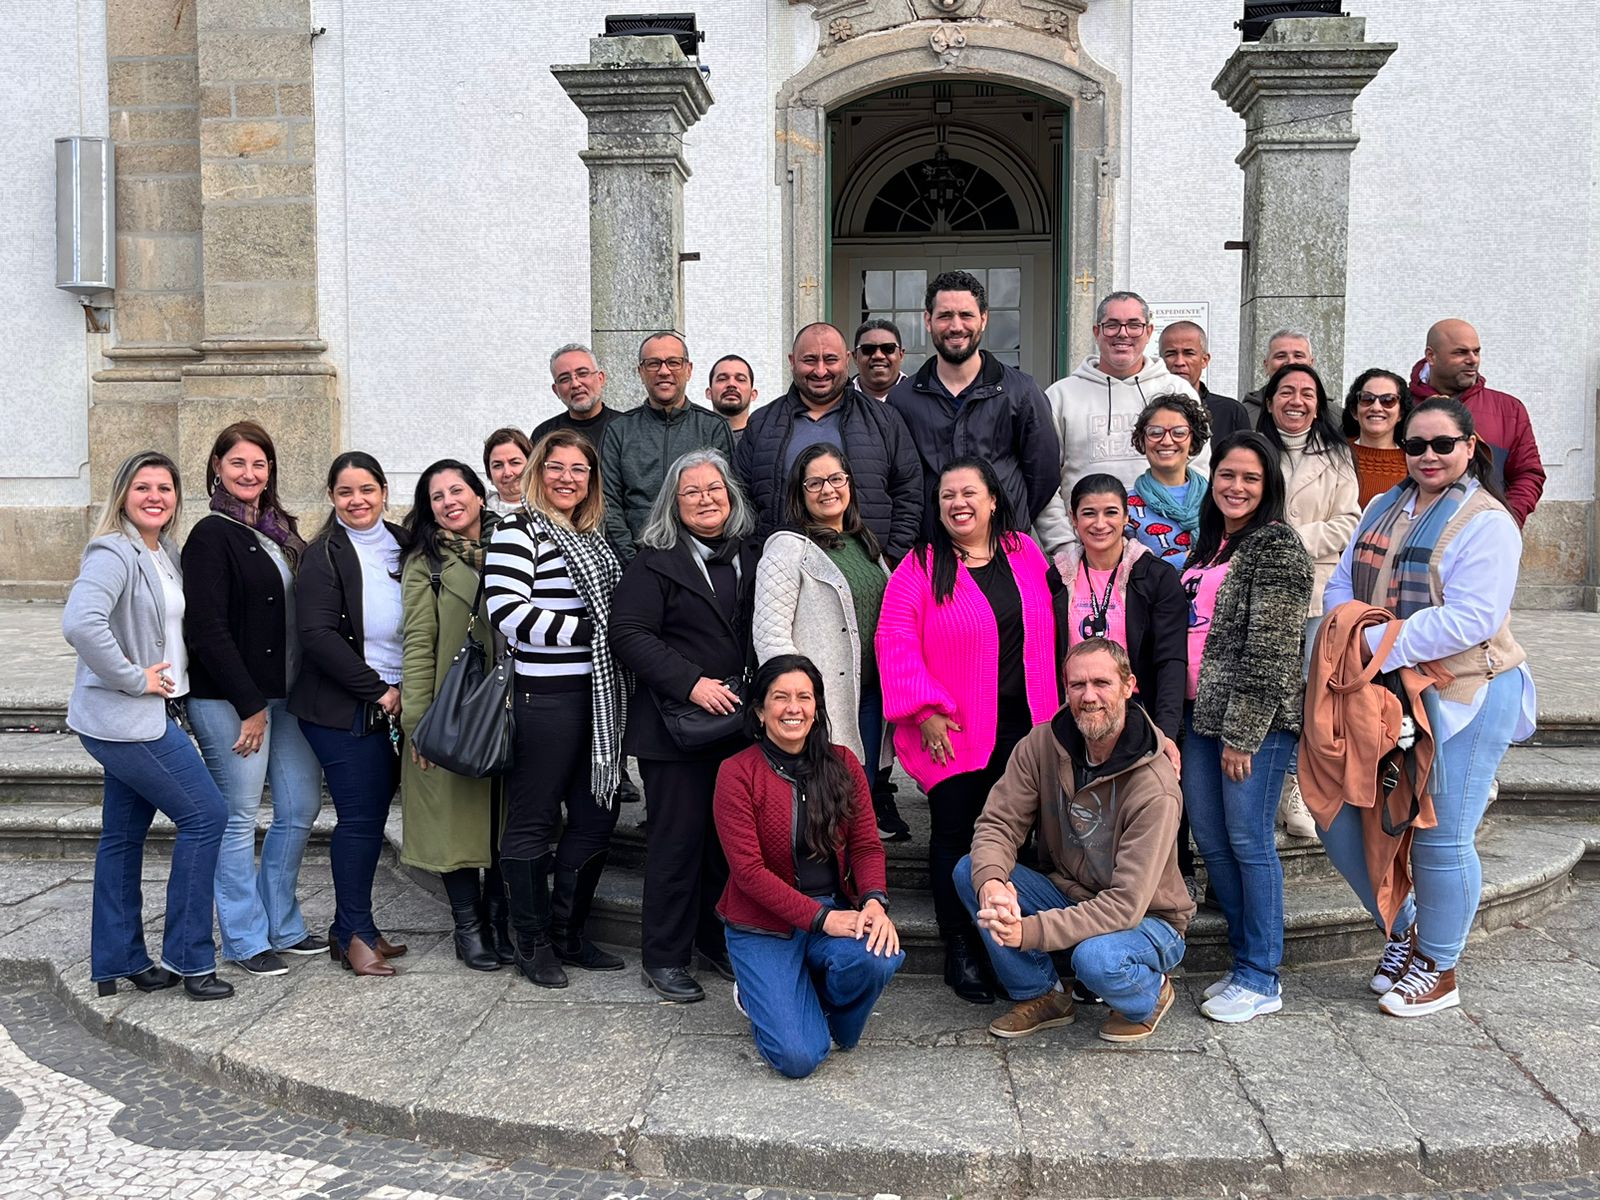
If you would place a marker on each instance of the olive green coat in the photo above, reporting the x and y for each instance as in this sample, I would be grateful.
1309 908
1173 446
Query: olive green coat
446 815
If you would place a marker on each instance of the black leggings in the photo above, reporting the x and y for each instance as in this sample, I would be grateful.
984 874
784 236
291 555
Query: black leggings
551 769
953 807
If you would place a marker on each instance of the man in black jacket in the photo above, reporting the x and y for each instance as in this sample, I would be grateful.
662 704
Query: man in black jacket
964 401
1186 353
822 407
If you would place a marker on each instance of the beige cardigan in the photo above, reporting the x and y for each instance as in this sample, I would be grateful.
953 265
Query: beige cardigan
1322 508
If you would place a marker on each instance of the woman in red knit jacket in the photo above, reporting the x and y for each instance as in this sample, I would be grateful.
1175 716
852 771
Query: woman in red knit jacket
811 944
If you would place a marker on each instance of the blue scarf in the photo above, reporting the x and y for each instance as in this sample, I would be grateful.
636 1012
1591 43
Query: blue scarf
1159 501
1409 588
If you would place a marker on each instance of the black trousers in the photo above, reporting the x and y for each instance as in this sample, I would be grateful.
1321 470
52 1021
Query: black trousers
953 808
550 768
684 869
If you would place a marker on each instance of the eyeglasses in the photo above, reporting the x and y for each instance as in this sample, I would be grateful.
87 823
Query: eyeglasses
694 495
872 349
1417 447
837 481
655 364
577 376
557 470
1158 433
1368 399
1133 327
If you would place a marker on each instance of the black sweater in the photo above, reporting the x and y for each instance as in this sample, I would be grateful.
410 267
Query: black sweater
233 617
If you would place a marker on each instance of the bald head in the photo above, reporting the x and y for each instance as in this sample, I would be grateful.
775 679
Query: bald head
1453 353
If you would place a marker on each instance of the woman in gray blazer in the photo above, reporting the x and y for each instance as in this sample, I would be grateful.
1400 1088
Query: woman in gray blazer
124 617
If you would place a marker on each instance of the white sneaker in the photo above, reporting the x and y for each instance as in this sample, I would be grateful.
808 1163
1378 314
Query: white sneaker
1293 814
1217 988
1396 959
1237 1004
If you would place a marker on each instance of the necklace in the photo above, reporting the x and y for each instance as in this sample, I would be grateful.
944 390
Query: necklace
1095 624
163 564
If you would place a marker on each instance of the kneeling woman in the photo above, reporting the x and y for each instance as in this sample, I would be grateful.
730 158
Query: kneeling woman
811 945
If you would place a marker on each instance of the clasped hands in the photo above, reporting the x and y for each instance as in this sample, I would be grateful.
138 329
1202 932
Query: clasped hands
1000 912
870 921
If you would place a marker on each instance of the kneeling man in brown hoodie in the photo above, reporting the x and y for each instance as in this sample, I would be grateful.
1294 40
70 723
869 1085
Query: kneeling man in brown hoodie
1106 799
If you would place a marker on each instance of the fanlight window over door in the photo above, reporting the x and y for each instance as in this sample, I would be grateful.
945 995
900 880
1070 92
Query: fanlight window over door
941 195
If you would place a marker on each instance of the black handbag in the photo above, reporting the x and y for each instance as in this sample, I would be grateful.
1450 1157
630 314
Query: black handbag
469 726
693 728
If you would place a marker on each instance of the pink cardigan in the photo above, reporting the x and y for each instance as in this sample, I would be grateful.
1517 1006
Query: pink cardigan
941 658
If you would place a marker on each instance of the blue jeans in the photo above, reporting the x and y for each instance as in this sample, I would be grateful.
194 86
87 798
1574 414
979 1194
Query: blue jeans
1124 968
142 778
1447 876
362 774
257 910
804 989
1234 824
870 717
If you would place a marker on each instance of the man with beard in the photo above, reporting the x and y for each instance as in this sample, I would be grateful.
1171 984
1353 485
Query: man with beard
1106 800
580 385
964 401
820 406
732 390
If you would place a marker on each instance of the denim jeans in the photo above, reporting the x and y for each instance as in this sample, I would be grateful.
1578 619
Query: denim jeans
1446 874
1234 823
257 910
870 717
362 773
804 989
142 778
1124 968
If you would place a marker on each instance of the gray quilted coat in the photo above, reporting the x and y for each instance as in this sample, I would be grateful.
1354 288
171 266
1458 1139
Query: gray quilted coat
803 606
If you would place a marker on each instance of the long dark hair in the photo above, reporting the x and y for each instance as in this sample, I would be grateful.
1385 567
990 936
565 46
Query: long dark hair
249 431
360 460
829 790
1322 438
1481 465
799 517
1352 427
420 522
1002 527
1209 550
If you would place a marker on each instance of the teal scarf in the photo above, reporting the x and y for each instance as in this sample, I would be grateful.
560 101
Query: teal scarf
1159 501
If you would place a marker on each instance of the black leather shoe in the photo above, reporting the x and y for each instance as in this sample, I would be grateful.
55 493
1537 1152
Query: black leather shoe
673 983
962 972
471 947
718 963
206 987
151 979
308 945
497 925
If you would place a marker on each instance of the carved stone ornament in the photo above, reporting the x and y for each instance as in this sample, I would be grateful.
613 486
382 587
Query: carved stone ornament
948 42
840 29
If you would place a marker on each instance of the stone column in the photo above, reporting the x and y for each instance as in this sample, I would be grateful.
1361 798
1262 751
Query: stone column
639 95
262 356
1295 89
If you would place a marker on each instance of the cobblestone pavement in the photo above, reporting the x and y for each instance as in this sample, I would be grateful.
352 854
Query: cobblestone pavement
80 1119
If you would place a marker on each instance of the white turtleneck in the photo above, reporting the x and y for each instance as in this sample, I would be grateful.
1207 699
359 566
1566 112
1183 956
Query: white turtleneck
1294 449
379 555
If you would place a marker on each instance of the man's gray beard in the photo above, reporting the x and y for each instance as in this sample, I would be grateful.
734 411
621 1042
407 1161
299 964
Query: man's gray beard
1112 727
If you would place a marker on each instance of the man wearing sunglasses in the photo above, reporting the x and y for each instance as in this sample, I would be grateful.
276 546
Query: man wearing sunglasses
879 352
1449 367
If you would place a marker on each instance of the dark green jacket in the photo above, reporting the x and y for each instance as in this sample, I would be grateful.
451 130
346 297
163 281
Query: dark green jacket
635 452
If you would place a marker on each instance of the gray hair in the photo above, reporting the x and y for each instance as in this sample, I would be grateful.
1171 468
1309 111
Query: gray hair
1187 327
1289 333
1100 309
663 527
661 333
572 348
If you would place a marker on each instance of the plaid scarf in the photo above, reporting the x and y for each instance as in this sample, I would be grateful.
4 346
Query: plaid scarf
268 522
1409 589
594 572
470 550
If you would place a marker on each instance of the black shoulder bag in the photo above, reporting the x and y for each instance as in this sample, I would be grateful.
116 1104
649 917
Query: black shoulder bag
468 727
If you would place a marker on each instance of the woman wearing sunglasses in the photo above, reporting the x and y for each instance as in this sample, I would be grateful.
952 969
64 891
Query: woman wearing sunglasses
1375 409
1440 552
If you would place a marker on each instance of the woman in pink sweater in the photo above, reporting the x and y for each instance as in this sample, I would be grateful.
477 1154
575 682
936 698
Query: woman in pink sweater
965 647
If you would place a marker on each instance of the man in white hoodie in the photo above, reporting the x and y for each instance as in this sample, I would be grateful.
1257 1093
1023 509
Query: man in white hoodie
1095 407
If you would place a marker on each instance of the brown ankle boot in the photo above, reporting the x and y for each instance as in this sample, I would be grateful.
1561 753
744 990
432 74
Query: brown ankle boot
364 960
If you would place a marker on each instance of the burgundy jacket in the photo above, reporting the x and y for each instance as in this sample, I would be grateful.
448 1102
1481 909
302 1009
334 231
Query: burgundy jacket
1503 423
754 808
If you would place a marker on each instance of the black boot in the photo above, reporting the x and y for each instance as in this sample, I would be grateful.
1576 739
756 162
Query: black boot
496 923
570 902
528 890
470 944
962 970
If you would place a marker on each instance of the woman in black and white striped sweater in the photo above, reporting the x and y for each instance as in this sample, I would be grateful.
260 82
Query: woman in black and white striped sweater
548 581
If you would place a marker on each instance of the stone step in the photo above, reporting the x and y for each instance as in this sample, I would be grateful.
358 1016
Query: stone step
56 830
1552 779
1527 867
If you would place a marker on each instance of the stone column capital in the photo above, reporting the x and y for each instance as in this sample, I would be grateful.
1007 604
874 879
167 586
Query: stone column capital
633 86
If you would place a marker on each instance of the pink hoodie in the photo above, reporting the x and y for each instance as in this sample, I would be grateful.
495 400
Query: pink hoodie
941 658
